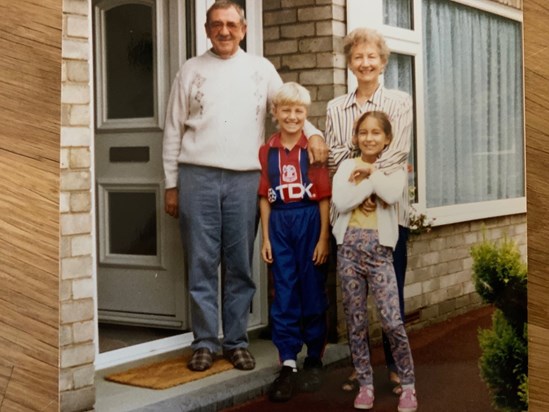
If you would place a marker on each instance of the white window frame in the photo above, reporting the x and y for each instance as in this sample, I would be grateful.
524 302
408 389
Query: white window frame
409 42
160 79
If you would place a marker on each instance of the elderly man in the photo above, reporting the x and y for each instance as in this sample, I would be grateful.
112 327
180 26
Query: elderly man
214 128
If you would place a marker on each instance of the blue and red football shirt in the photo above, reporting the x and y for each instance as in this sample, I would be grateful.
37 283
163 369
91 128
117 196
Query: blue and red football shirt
287 177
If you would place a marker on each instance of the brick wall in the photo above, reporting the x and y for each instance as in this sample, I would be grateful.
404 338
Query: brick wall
77 291
438 279
303 40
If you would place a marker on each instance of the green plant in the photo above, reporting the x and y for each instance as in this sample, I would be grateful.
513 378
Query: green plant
504 364
500 278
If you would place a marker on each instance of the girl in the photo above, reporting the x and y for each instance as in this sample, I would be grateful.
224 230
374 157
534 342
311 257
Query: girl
364 258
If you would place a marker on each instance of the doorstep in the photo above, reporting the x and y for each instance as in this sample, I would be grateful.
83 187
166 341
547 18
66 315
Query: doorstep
210 394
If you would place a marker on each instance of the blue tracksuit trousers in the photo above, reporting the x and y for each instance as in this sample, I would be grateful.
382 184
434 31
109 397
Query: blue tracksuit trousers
298 311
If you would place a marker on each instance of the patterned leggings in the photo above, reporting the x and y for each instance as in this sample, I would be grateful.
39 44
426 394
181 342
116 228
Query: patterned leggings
361 263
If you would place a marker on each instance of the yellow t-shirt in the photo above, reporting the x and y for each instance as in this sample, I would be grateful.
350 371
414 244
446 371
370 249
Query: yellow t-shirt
359 218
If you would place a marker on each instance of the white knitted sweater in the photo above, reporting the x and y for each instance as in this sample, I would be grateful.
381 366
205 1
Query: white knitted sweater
216 113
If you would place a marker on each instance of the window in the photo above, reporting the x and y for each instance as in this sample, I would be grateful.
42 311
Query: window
473 105
131 64
461 60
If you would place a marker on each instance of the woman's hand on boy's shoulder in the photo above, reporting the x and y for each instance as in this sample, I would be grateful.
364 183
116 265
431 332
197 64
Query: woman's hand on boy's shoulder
317 150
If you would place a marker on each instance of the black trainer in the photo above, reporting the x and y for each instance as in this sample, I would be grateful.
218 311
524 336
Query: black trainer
310 379
282 388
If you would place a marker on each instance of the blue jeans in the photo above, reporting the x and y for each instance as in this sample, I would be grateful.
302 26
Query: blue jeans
217 216
400 261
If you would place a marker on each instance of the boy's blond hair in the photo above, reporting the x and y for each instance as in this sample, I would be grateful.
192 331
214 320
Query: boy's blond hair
291 93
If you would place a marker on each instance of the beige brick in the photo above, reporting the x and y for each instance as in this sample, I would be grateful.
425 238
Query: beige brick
78 71
76 267
331 28
75 49
299 61
281 47
77 311
296 3
75 136
80 202
79 180
83 376
65 114
65 380
429 312
75 224
325 93
297 31
430 285
79 115
338 13
314 13
78 400
81 245
316 77
65 335
269 5
315 45
434 297
334 2
83 288
77 26
65 290
289 77
64 71
77 355
430 258
64 202
271 33
65 247
455 266
83 331
80 158
64 158
275 18
317 109
75 93
76 7
412 290
455 291
331 60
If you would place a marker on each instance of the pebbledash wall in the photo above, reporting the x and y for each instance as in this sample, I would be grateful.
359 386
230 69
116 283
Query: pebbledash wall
303 38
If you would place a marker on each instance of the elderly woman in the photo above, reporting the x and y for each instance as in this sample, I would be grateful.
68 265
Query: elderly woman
367 55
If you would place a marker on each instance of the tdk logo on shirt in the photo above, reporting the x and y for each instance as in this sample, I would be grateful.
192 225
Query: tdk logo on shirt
290 191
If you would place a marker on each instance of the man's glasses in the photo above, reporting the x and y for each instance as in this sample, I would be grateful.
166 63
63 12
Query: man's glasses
218 26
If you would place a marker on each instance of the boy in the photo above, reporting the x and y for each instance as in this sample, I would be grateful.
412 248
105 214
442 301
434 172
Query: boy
294 207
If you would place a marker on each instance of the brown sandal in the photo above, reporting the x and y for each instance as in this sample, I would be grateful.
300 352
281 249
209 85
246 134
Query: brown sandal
351 384
395 382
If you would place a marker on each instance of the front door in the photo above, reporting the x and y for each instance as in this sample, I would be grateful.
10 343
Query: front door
140 261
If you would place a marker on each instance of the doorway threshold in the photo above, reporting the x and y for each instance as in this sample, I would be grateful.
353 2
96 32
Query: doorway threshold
212 393
136 353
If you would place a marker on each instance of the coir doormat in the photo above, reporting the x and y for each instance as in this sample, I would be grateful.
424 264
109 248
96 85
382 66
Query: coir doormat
166 373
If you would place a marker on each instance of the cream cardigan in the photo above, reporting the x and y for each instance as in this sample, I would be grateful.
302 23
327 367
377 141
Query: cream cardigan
346 196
